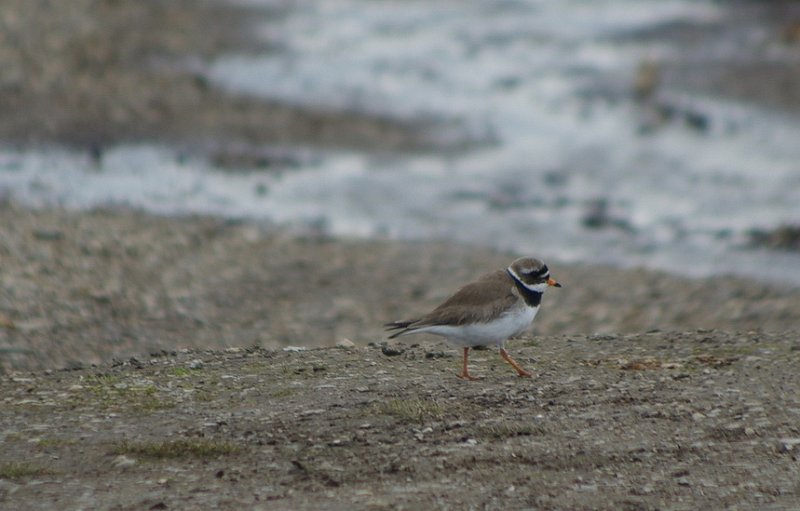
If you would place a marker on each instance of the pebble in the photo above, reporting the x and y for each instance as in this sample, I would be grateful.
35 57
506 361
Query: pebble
392 351
788 444
123 461
345 343
8 487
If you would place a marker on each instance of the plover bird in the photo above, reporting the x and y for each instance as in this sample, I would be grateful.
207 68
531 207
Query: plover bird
497 306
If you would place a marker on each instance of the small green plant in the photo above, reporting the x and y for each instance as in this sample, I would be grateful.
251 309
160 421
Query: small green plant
281 392
172 449
411 410
18 470
45 443
111 392
180 372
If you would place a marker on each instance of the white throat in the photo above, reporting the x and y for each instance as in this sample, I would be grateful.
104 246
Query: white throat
539 288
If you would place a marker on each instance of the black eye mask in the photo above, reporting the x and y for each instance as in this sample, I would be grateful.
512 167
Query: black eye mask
541 272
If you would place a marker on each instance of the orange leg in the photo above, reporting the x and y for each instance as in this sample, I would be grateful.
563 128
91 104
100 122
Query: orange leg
464 371
520 371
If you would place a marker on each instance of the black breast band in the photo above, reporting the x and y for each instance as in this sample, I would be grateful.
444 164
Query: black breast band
532 298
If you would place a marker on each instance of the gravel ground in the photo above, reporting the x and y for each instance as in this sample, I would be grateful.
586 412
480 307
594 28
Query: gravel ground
643 421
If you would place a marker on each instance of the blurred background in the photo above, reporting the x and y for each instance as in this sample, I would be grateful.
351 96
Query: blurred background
214 173
662 134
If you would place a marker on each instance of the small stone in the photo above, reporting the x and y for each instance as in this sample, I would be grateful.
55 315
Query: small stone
788 444
345 343
8 487
292 349
123 461
391 351
315 411
195 364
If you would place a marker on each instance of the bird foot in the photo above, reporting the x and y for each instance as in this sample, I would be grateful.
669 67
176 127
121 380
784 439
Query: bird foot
468 377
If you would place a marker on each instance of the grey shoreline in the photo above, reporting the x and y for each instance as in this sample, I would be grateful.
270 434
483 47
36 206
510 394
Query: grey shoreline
81 287
92 73
84 287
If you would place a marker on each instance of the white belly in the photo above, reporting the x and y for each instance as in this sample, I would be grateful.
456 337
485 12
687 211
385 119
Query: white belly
508 325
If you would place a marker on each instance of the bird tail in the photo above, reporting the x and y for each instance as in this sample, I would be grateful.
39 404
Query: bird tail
399 328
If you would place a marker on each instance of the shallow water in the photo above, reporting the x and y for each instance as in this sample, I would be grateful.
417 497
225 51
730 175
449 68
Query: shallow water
572 167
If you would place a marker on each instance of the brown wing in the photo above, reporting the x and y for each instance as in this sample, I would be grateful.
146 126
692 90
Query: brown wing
476 302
